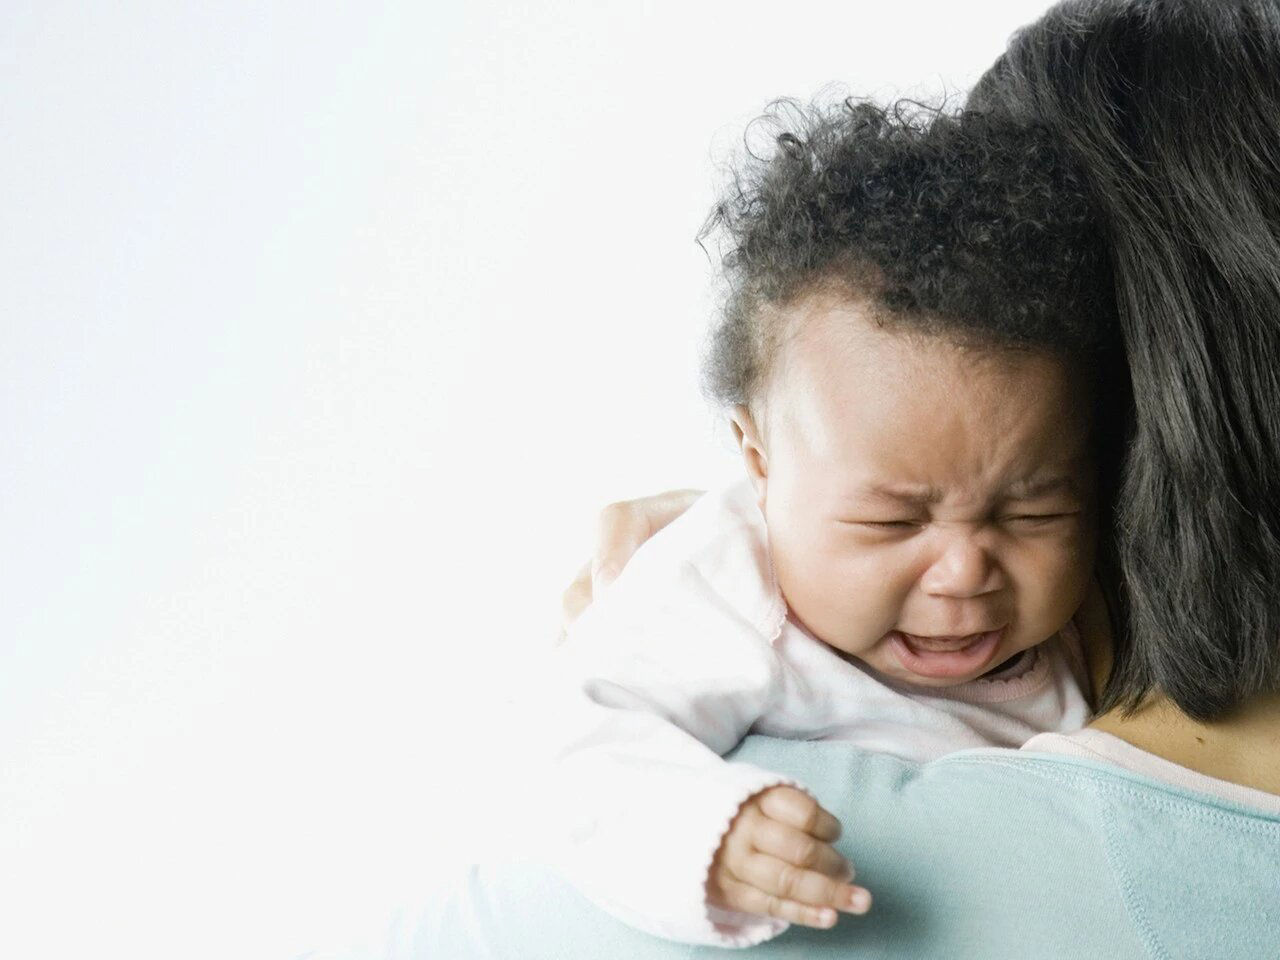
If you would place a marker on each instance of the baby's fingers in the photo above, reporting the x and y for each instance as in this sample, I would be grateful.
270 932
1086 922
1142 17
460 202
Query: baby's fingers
788 883
797 809
746 898
799 848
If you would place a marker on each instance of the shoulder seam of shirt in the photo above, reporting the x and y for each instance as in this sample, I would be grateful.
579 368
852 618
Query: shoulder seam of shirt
1049 766
1133 904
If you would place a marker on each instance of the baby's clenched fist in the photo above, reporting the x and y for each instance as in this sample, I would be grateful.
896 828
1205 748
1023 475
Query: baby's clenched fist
777 860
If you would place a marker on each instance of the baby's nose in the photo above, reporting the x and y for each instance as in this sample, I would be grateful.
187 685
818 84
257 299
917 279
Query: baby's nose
964 568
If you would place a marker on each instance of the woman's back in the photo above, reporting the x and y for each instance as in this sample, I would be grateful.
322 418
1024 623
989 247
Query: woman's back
985 854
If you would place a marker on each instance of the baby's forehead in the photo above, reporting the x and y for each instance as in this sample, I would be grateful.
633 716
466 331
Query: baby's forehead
848 384
832 337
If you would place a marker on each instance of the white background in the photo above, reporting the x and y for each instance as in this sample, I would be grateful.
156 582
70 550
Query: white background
326 332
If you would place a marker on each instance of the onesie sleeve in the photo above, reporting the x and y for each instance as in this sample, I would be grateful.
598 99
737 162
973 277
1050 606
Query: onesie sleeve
654 683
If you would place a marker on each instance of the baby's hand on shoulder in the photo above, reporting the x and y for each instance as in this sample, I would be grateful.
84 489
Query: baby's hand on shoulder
777 860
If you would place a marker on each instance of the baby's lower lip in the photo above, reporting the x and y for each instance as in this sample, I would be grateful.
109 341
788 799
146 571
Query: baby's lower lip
966 658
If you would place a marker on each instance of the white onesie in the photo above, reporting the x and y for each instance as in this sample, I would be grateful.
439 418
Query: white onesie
689 650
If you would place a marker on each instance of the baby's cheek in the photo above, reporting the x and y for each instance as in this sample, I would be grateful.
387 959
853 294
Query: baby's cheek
1058 578
846 601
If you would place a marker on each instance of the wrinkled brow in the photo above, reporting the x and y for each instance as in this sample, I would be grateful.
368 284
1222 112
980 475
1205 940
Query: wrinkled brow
923 495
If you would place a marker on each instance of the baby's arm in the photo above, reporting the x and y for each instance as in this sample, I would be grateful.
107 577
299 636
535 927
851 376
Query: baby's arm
655 683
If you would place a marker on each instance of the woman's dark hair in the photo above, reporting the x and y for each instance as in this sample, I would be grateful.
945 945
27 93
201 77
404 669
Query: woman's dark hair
1171 109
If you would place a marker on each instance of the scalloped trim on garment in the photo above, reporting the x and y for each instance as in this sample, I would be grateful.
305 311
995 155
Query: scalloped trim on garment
727 923
1026 678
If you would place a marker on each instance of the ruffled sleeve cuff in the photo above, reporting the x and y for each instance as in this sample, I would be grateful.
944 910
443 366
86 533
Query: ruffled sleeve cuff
732 928
650 870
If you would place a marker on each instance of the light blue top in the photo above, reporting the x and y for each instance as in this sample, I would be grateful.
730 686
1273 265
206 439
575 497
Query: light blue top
985 853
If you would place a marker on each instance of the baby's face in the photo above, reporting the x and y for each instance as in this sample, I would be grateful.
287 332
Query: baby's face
930 509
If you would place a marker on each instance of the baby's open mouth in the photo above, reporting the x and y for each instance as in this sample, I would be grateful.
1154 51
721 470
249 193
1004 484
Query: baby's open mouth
946 658
944 643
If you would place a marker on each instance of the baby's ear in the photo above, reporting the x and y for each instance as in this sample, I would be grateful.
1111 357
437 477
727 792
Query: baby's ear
752 447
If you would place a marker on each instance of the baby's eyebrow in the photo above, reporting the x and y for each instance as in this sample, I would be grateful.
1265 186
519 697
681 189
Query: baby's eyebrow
1040 486
923 495
901 493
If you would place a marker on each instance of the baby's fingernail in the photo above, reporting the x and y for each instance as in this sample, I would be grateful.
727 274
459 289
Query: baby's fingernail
827 918
859 901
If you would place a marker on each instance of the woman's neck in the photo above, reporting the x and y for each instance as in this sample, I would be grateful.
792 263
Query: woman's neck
1242 747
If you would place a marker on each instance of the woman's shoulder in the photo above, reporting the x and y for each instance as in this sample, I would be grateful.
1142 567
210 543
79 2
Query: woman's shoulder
1123 844
1029 856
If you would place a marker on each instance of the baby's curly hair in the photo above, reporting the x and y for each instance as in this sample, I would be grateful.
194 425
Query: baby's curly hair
963 225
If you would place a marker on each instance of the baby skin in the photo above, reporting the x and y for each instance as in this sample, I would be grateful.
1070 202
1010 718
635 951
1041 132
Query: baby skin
931 514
